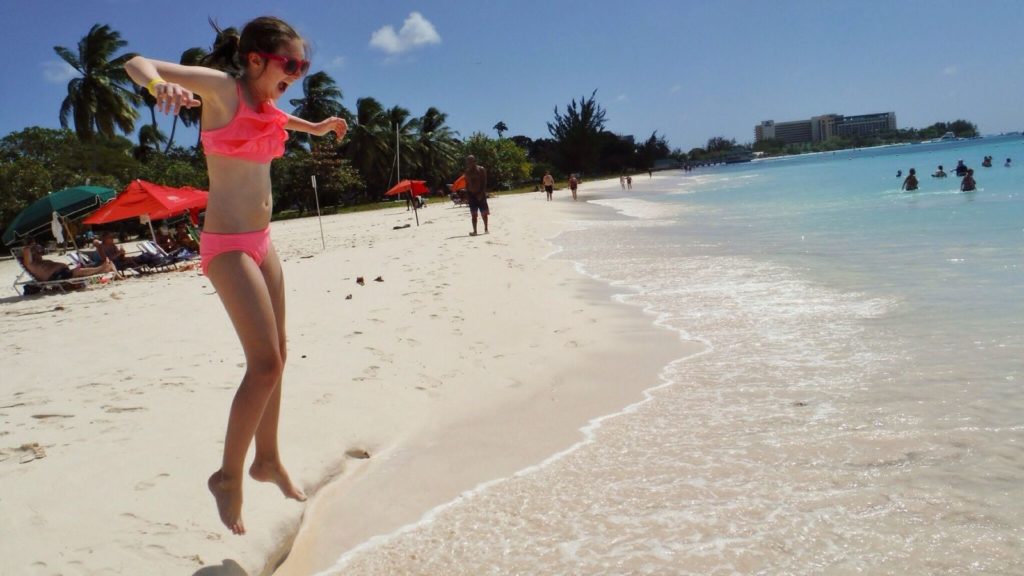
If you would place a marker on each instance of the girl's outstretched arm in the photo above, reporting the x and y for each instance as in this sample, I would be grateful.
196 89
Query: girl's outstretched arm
175 85
332 124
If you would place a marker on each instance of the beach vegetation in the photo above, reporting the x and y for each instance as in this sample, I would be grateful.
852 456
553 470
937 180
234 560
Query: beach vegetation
188 116
102 104
507 164
101 98
578 134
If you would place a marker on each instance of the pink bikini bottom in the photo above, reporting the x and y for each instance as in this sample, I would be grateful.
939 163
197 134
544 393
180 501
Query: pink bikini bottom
255 244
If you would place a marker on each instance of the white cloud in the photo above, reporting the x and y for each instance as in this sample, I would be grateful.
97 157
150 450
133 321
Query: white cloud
58 71
416 31
621 98
337 63
950 71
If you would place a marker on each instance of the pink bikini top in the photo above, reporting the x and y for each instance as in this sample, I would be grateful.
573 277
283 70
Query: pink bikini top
255 135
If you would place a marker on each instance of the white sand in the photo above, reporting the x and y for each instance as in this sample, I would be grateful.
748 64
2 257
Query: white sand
474 358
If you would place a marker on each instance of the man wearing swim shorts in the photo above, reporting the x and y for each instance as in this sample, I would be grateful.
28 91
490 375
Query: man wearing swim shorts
476 190
549 183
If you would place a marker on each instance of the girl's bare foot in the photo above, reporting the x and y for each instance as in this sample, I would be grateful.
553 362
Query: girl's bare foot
228 495
273 471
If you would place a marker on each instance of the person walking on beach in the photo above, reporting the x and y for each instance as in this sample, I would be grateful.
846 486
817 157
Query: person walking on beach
573 184
968 184
476 189
629 182
910 184
549 184
242 131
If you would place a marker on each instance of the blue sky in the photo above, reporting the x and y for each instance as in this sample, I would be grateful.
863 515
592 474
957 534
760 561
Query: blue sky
690 70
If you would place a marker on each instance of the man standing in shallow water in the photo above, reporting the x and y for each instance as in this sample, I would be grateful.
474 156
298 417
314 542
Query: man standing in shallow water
476 190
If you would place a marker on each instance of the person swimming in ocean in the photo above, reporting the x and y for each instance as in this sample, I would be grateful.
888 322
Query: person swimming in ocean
968 184
961 169
910 184
940 173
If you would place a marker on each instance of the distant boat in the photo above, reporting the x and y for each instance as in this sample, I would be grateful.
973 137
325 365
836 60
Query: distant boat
946 136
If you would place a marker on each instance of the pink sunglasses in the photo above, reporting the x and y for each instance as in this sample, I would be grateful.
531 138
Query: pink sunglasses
291 66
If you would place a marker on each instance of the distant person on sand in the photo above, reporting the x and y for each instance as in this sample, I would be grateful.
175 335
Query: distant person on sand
242 131
45 270
549 184
629 182
940 173
573 184
476 189
968 184
910 184
622 182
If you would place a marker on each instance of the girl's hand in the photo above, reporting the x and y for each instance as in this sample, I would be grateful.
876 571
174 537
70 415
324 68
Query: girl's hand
171 98
332 124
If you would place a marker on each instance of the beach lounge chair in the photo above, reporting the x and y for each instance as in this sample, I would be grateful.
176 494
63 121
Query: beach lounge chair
27 284
155 256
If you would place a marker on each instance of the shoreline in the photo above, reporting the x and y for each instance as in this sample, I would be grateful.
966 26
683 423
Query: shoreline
473 450
473 358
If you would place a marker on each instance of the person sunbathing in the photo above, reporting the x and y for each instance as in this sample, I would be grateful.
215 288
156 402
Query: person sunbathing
45 270
108 251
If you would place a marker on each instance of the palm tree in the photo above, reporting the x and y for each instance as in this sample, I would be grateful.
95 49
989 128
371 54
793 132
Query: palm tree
437 147
403 130
500 128
321 100
367 144
101 98
188 116
150 139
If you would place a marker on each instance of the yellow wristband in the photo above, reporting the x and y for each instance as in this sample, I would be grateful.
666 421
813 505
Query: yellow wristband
152 84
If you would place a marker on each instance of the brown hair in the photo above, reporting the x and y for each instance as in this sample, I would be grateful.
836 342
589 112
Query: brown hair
263 34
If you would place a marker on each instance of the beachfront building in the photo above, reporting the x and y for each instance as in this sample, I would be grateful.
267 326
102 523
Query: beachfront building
820 128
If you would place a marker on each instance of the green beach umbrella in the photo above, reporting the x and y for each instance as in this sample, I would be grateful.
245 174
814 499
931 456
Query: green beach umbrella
69 203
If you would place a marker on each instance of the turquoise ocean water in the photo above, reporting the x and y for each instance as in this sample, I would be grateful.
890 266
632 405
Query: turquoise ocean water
857 406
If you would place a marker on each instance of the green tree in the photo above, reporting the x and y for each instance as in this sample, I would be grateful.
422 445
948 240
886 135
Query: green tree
506 163
150 139
188 116
578 134
102 98
500 128
437 147
367 146
403 131
653 149
321 99
719 144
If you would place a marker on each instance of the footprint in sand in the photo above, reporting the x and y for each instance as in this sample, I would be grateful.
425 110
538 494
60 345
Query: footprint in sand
358 453
147 484
119 409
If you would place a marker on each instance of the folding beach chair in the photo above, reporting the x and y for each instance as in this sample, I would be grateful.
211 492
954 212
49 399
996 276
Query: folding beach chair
181 259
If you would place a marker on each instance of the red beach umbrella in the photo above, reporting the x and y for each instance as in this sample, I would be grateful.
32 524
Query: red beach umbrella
415 187
459 184
142 197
